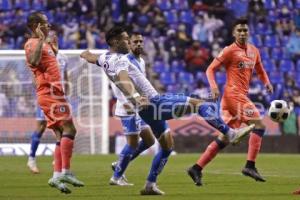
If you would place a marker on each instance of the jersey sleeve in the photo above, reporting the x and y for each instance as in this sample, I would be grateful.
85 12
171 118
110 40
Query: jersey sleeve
262 74
210 73
224 56
121 64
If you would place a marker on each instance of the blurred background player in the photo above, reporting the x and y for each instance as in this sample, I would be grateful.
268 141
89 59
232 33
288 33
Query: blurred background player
239 59
132 123
153 108
41 122
41 59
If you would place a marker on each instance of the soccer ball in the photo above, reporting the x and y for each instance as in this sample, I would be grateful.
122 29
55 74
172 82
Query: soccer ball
279 110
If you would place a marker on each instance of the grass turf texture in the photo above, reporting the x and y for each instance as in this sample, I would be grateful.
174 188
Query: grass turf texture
222 179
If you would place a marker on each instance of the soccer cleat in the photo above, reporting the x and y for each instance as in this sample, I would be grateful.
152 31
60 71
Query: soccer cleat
151 190
70 178
196 175
119 182
240 134
31 164
114 166
56 183
253 173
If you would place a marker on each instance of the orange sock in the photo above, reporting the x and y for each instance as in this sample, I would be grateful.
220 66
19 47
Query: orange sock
210 152
66 144
57 158
254 146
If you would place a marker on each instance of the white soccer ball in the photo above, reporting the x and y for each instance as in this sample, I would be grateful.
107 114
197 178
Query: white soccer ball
279 110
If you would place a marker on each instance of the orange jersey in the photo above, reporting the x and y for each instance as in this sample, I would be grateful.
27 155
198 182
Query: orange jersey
239 62
47 73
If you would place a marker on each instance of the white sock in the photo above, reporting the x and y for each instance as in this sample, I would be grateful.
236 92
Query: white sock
31 158
65 171
231 133
56 174
150 184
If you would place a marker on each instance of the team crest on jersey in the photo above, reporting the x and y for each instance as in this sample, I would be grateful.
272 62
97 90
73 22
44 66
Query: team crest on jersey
50 52
249 112
62 109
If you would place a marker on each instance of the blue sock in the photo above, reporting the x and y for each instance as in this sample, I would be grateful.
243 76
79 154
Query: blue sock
141 147
209 112
158 163
124 159
35 141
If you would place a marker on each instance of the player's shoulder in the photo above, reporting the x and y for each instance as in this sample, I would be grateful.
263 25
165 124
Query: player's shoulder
254 48
30 42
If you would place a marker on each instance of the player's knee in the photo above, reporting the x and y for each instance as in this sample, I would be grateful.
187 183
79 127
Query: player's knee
166 140
222 141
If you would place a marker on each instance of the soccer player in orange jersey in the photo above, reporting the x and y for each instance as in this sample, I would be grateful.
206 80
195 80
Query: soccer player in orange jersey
41 59
239 60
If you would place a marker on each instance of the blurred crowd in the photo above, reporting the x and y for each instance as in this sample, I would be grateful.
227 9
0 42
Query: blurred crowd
181 36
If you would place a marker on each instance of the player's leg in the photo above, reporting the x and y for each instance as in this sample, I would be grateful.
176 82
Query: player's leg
195 172
254 146
132 128
35 141
209 112
66 145
55 181
166 142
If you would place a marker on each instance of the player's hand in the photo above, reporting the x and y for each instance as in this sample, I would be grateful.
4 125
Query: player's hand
141 102
53 41
270 88
215 93
85 54
39 33
129 108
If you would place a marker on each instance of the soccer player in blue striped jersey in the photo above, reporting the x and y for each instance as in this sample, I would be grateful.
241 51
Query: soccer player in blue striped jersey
132 123
153 107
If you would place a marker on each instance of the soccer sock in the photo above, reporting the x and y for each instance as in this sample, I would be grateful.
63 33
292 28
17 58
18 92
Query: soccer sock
210 114
57 158
211 151
254 144
141 147
66 146
124 159
35 141
158 163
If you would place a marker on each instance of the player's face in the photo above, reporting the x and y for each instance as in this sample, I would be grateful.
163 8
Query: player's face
123 43
137 44
241 33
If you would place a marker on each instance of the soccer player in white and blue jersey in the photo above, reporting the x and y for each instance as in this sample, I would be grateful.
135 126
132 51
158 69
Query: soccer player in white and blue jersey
154 108
132 123
41 121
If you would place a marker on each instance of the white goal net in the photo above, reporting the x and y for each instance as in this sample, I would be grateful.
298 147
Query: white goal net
88 95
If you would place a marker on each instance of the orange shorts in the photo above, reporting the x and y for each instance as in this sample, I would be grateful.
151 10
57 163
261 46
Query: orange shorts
57 110
237 110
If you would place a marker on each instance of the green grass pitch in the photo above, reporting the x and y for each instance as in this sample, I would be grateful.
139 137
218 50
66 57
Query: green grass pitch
222 179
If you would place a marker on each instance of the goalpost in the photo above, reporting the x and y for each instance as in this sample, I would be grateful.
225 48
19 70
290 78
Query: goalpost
89 97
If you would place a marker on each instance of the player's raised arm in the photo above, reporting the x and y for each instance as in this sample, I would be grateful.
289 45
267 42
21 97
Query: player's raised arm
89 57
262 74
36 53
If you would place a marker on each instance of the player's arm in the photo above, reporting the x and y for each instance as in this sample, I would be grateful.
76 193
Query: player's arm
36 54
89 57
124 83
210 73
262 74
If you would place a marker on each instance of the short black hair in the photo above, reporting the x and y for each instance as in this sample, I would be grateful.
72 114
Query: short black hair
135 33
113 33
34 18
242 20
